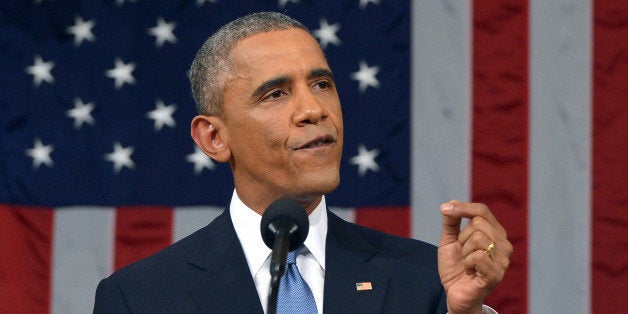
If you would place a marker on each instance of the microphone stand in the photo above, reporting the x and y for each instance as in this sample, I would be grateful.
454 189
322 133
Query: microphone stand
277 267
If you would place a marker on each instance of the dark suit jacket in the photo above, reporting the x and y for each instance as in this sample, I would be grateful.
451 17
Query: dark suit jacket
207 272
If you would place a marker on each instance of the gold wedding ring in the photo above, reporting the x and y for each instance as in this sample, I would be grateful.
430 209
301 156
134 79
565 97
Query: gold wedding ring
489 249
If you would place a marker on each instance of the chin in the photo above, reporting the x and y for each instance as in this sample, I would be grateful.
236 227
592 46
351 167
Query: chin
313 184
322 186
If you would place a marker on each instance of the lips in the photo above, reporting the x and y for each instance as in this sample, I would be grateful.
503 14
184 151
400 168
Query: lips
318 141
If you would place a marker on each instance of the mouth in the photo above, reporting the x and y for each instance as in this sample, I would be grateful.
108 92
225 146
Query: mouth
318 141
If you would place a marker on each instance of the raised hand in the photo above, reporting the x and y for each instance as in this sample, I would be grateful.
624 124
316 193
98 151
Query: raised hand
471 261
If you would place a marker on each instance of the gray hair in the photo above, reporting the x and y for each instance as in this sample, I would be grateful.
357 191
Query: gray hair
212 65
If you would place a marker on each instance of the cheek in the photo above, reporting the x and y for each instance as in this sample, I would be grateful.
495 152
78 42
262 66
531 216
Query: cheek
272 133
337 118
263 134
335 109
273 142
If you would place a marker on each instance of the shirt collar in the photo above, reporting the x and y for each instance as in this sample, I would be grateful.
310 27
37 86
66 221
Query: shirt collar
247 226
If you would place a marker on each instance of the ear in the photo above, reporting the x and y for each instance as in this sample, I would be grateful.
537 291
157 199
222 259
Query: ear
211 136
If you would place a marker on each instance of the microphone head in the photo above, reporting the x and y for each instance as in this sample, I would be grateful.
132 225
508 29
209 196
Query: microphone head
288 215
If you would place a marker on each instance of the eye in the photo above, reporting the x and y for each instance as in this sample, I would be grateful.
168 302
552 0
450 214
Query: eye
322 85
274 95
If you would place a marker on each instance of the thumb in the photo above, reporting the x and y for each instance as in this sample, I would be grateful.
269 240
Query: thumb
451 224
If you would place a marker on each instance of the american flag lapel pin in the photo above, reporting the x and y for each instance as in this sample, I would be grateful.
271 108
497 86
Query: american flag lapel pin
362 286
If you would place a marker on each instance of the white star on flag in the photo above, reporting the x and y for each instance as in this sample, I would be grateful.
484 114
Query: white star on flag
200 160
40 154
121 157
40 71
163 32
81 30
366 76
282 3
121 73
365 160
364 3
81 113
162 115
327 33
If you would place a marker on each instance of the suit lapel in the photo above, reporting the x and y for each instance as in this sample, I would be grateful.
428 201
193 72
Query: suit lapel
225 285
347 255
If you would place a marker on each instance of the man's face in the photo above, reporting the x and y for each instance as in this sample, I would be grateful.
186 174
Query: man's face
282 119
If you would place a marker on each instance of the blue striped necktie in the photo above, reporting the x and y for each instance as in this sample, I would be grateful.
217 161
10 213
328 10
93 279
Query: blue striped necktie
294 295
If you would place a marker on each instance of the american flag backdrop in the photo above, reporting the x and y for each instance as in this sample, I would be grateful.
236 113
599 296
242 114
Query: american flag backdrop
519 104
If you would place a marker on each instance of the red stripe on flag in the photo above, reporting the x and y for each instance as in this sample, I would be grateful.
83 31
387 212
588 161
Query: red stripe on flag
610 161
25 259
394 220
500 133
140 232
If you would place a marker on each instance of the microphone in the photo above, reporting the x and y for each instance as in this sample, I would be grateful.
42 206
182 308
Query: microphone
284 227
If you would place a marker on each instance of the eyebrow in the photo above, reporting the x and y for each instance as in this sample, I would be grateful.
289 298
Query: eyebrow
281 80
270 84
321 72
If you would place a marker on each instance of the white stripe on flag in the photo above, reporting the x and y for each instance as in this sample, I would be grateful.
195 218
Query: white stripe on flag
82 255
560 156
441 111
189 219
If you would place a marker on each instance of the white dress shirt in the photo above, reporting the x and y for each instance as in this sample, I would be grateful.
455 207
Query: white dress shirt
311 261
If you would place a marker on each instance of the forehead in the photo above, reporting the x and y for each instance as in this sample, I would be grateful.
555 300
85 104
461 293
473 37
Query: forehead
277 51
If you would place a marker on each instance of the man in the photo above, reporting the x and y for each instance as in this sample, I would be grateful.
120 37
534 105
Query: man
268 106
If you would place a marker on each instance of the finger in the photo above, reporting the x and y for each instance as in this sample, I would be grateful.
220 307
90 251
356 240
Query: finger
504 248
478 241
470 210
499 256
451 224
481 265
479 224
502 245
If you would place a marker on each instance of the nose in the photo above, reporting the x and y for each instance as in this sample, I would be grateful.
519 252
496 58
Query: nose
309 109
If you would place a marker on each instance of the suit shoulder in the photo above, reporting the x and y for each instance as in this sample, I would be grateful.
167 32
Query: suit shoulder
151 283
396 244
168 260
386 245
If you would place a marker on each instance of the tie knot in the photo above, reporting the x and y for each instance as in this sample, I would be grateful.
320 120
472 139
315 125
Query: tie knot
292 256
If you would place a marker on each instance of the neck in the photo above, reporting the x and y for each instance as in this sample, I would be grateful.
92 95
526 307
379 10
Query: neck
259 204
